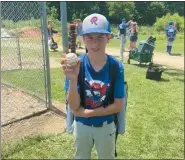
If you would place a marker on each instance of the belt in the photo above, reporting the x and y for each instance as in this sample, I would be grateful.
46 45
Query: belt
96 125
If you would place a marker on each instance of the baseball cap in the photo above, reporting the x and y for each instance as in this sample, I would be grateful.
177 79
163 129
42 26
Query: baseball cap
170 23
95 23
123 20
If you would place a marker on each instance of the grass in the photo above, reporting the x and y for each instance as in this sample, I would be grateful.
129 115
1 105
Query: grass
155 117
32 80
160 44
57 85
155 121
27 80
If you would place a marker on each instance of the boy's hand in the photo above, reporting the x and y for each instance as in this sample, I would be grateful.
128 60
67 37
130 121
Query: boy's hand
70 71
82 112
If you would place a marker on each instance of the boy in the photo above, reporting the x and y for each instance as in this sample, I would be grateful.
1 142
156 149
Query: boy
78 31
94 122
122 32
170 36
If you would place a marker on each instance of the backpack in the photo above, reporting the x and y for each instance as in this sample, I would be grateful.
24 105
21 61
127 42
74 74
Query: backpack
154 72
171 33
120 129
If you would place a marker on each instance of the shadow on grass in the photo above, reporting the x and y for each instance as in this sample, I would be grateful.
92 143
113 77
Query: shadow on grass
174 72
164 80
53 51
176 54
168 71
142 65
181 80
161 80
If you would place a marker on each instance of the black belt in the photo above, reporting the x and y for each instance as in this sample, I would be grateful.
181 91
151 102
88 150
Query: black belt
95 125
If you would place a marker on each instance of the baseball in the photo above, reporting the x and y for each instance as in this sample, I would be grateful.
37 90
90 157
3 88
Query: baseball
71 58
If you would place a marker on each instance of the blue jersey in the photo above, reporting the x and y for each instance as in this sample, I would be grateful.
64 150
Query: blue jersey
122 28
97 85
170 31
66 85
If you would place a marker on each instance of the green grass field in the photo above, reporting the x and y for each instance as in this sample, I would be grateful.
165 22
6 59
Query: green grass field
31 80
155 112
155 119
160 44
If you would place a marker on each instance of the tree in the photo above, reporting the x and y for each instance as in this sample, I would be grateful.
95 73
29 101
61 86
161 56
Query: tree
53 9
118 10
175 7
155 9
52 12
146 12
140 12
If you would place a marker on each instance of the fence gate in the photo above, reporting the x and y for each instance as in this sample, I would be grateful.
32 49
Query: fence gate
24 83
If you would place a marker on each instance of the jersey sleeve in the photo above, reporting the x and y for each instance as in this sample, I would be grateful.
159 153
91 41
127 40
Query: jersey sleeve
119 83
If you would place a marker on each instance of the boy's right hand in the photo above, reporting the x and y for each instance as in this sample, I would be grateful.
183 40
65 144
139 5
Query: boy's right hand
70 71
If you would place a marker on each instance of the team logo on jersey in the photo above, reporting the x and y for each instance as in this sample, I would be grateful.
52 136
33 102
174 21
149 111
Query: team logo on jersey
94 20
95 93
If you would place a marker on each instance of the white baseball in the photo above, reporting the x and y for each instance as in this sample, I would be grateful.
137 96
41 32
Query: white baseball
71 58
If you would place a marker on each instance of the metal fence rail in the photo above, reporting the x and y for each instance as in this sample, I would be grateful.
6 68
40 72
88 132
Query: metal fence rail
10 56
23 65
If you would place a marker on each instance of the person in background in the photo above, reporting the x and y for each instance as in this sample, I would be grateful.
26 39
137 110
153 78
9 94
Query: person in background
122 33
51 31
170 36
133 35
78 31
129 31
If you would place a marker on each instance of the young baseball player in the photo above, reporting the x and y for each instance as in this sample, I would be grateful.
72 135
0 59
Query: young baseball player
94 119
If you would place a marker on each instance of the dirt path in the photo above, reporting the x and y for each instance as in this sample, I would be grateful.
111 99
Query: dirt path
17 104
47 123
173 61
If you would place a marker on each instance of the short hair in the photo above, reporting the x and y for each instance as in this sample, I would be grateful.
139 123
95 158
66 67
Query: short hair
78 20
49 21
171 23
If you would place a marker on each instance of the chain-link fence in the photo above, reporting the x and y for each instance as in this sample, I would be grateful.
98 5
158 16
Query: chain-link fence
23 85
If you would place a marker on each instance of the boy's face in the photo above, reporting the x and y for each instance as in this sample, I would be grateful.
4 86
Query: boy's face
78 22
96 42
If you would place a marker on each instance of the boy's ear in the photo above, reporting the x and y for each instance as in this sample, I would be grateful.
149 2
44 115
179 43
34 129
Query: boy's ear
108 38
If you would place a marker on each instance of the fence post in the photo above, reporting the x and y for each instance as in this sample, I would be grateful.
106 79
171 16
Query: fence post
63 18
0 30
19 53
47 65
0 58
